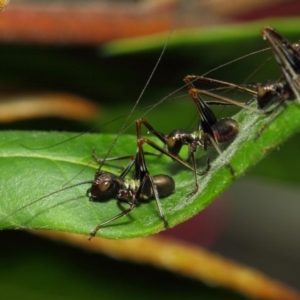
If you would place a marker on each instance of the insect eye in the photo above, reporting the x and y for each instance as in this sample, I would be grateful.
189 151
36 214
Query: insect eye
104 186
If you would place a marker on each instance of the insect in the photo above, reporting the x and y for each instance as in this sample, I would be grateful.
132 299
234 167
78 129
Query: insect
107 186
263 93
210 132
285 88
287 56
141 187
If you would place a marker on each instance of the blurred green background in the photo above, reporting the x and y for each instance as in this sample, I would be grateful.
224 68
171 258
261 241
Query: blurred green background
256 222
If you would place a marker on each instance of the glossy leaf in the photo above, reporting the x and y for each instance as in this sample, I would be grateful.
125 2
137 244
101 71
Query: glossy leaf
32 174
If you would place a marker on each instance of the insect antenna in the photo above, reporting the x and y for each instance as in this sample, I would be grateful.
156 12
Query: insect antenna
123 128
46 196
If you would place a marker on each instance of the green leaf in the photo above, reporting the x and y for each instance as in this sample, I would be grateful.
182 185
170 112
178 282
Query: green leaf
28 175
188 39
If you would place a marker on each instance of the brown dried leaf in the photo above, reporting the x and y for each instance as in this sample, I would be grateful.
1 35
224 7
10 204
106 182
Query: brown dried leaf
187 260
88 23
47 105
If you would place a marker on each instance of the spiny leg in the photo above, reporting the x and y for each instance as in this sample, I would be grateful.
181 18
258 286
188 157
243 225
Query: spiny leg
123 213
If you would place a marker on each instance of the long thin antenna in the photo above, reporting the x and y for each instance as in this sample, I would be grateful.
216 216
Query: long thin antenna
123 128
185 85
46 196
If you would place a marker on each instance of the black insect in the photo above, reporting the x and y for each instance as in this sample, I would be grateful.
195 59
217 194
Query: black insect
107 186
210 132
141 187
287 56
287 87
263 94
